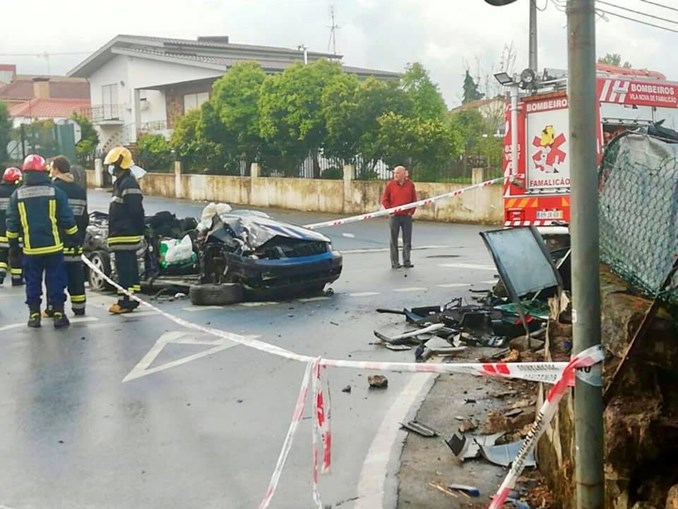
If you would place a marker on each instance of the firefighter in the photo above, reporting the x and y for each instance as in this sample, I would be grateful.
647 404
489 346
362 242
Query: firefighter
125 226
11 178
60 171
40 214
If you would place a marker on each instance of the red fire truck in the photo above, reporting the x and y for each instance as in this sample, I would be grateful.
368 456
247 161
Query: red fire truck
537 191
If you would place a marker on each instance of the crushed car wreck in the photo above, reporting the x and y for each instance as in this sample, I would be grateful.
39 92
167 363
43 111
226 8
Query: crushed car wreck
228 255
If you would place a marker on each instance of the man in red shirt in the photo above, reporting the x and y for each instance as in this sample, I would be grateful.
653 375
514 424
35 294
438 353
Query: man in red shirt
400 191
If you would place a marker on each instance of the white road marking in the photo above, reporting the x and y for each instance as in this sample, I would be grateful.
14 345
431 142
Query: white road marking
363 294
137 314
348 235
75 320
473 266
490 282
453 285
411 289
181 338
193 309
257 304
314 299
374 474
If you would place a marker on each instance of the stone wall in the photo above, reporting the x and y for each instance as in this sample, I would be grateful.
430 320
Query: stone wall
641 420
341 197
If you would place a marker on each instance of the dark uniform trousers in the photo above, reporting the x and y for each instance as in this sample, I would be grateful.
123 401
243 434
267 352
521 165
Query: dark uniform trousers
16 272
128 275
75 272
53 267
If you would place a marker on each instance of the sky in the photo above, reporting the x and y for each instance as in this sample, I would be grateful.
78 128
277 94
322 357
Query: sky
446 36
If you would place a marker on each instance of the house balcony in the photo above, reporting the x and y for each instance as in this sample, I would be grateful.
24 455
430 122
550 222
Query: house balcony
105 114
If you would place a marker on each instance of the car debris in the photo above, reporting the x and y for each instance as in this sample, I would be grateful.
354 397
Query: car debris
419 429
408 338
347 389
468 446
504 454
471 491
377 381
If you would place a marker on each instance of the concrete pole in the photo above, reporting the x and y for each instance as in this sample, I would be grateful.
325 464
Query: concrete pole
533 48
588 401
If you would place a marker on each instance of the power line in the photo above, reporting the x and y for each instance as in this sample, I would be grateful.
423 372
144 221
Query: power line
636 20
660 5
636 12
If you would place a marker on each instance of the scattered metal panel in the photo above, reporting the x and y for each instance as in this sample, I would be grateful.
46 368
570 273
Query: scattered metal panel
522 260
503 455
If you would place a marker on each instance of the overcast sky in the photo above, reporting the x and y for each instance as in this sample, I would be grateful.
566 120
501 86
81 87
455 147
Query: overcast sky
446 36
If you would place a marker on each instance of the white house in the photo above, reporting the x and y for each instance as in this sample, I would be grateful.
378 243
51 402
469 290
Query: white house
143 84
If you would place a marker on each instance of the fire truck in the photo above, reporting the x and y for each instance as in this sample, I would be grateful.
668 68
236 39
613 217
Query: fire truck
537 190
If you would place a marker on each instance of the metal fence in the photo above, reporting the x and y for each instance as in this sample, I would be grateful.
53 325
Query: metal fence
639 212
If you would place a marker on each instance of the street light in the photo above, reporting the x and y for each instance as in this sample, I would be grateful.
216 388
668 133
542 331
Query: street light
507 81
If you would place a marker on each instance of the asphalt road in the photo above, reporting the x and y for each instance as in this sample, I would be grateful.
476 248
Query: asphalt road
133 411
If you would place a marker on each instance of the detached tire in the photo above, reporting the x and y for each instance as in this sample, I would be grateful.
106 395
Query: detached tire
215 295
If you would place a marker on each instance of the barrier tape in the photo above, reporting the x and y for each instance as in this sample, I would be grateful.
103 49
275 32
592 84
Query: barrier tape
559 373
400 208
584 359
289 438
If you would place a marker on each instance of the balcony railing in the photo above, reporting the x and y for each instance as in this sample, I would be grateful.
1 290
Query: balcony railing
104 113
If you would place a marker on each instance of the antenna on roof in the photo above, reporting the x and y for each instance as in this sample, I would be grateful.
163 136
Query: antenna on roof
333 32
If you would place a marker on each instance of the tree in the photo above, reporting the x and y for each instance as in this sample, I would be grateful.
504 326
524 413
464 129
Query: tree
235 99
89 139
5 131
154 153
291 114
417 84
470 89
192 149
614 59
426 146
352 109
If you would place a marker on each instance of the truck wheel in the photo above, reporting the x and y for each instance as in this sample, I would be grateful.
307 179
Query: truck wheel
215 295
102 261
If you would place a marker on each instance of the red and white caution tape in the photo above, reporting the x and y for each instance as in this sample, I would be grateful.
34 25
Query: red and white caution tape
584 359
318 422
392 210
289 438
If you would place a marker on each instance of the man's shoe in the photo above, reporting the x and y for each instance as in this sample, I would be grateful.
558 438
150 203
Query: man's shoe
34 320
396 266
408 265
60 320
48 313
79 312
117 309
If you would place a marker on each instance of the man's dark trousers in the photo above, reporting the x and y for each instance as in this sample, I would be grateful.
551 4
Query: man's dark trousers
54 270
128 276
396 223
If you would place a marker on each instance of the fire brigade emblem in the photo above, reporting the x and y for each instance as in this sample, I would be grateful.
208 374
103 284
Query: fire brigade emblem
549 156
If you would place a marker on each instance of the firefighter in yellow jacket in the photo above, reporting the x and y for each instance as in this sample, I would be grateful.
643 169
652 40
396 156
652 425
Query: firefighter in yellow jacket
126 226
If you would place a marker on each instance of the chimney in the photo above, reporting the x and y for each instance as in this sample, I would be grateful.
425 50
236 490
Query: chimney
219 39
41 88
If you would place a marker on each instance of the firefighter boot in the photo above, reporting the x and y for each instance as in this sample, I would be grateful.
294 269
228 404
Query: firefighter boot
34 317
48 312
60 320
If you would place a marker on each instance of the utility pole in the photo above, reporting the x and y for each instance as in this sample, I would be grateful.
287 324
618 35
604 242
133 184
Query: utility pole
584 234
533 61
302 47
333 32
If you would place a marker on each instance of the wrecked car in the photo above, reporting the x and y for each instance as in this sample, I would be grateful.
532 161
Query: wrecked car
243 249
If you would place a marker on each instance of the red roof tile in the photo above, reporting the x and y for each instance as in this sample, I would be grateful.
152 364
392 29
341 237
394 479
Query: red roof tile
48 108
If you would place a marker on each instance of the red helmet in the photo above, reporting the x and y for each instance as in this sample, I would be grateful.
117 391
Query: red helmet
12 175
34 162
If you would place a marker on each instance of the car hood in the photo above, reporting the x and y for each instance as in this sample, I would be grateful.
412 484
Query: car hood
256 230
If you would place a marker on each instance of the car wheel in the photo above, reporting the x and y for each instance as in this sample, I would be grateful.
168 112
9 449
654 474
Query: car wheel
102 261
215 295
